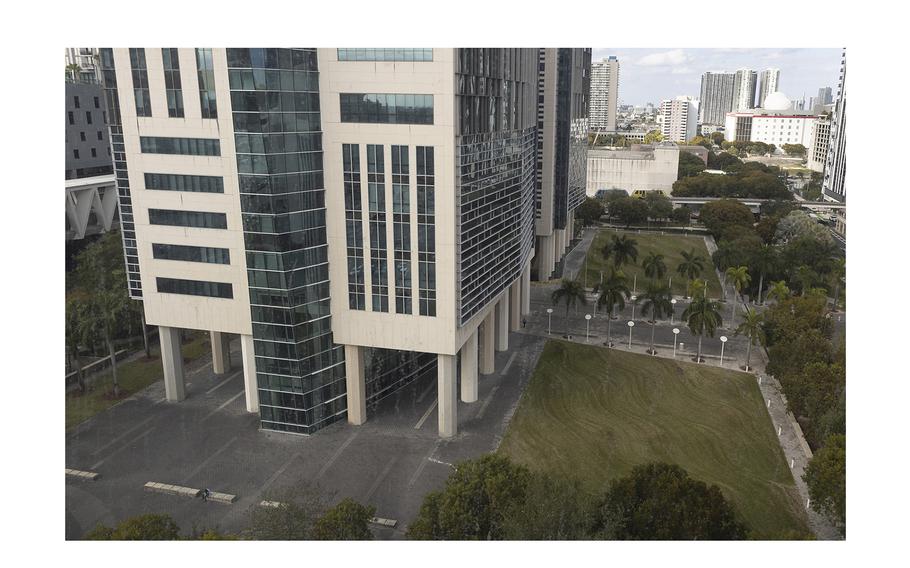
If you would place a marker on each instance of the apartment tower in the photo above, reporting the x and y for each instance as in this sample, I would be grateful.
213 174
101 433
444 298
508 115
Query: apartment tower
716 98
604 93
769 82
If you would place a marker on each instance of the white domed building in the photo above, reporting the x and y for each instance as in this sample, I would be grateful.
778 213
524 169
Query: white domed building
775 123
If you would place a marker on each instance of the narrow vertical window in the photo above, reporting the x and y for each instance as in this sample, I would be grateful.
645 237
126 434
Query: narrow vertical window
353 219
140 82
172 85
426 230
401 216
378 246
206 82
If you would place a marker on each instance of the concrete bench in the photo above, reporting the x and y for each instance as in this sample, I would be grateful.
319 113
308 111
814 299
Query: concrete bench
225 498
273 504
391 523
83 475
172 489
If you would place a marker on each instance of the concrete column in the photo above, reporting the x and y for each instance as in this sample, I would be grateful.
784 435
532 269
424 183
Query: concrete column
526 290
487 342
250 384
172 363
221 352
356 384
447 409
559 236
469 369
515 305
546 264
502 322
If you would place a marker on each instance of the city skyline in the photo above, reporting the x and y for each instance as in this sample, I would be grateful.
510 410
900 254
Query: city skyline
655 74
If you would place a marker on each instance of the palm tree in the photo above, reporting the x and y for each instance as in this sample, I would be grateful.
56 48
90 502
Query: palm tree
839 272
764 261
655 301
753 328
739 277
72 69
691 265
703 317
696 288
76 333
569 292
654 266
623 249
779 290
722 262
613 294
806 278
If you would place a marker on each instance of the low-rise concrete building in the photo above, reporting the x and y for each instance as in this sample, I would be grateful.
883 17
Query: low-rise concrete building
642 169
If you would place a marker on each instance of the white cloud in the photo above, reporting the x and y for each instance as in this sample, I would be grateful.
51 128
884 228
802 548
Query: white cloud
672 57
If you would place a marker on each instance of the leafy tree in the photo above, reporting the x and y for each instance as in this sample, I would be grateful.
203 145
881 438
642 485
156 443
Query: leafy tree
623 249
703 318
701 141
613 295
570 292
717 138
659 501
553 508
589 211
655 301
141 527
681 215
748 181
739 278
653 137
659 205
724 161
718 216
691 266
779 291
806 277
752 327
76 332
476 499
763 262
826 477
348 520
838 273
298 509
794 149
629 210
654 265
798 225
689 165
807 251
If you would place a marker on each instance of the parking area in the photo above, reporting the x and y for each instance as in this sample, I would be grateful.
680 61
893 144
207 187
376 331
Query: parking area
210 441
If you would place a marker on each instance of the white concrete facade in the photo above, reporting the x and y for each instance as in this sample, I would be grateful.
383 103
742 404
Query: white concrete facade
680 119
648 170
604 93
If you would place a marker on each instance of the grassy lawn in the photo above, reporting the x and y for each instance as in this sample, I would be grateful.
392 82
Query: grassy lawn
595 413
133 377
671 246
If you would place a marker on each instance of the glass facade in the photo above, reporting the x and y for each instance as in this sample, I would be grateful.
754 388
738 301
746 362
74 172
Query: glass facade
401 217
570 158
199 219
140 82
185 146
178 182
191 254
384 54
118 153
206 71
194 287
379 263
172 86
353 220
496 136
299 370
426 230
386 108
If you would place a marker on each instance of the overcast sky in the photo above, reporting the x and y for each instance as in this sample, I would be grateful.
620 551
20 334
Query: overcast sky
651 75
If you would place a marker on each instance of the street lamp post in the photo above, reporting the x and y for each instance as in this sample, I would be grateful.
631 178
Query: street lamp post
672 309
723 341
587 326
634 282
633 298
631 325
675 337
549 319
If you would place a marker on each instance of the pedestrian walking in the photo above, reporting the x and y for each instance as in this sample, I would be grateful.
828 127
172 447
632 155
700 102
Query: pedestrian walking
524 322
206 494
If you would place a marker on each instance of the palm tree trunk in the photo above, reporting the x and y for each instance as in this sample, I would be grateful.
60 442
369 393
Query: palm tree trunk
145 336
836 295
723 287
761 282
749 354
733 313
567 320
698 356
653 324
110 348
609 328
80 378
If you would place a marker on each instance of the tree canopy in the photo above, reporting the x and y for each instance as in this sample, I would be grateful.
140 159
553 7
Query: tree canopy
689 165
141 527
719 216
750 182
589 211
826 477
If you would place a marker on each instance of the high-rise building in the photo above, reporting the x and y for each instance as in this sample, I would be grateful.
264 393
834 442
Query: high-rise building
824 96
359 217
716 97
833 187
604 93
821 139
744 81
562 147
680 118
769 82
82 65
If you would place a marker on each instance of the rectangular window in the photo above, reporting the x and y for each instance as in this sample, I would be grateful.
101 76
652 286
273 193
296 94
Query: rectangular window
426 230
76 154
385 54
76 101
97 103
206 82
88 117
140 82
386 108
401 213
176 218
191 254
195 287
82 136
378 248
100 135
177 182
94 153
173 88
184 146
353 219
70 118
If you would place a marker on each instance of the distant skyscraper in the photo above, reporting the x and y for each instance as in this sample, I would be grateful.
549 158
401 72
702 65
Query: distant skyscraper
604 93
769 83
716 97
824 96
744 89
836 165
680 116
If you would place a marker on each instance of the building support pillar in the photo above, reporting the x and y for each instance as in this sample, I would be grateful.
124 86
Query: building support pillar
526 289
559 237
546 264
515 305
502 322
447 396
487 342
221 352
356 384
250 384
469 369
172 363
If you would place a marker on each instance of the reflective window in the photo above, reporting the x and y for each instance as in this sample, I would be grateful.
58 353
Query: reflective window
191 254
353 220
172 85
140 82
176 182
176 218
186 146
384 54
401 214
386 108
206 71
378 247
195 287
426 230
